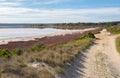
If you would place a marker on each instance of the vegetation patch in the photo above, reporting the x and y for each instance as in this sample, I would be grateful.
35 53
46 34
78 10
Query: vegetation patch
17 51
5 53
118 44
60 55
26 72
114 29
89 35
37 47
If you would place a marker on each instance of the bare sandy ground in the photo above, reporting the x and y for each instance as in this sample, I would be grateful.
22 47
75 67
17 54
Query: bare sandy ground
99 61
5 41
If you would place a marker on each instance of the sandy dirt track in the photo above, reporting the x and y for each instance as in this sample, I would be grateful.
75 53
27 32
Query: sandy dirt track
101 60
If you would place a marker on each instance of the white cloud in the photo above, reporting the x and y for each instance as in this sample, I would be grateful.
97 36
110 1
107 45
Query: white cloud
48 2
56 12
56 20
2 0
18 2
13 10
10 4
15 14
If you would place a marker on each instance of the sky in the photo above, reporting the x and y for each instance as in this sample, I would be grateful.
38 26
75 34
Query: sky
59 11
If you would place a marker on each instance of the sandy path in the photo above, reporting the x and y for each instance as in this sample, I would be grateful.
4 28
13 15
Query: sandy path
100 61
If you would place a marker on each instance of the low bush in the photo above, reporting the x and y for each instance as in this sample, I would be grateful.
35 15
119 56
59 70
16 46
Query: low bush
89 35
17 51
5 53
37 47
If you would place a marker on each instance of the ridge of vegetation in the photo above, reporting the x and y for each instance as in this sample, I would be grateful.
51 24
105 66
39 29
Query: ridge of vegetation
80 24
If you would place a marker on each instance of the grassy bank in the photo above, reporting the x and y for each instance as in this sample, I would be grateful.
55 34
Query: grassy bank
118 44
114 29
53 58
62 54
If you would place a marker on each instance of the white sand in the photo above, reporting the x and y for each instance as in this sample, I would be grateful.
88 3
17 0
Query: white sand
5 41
100 61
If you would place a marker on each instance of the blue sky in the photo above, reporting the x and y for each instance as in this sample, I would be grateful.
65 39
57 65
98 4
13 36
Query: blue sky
58 11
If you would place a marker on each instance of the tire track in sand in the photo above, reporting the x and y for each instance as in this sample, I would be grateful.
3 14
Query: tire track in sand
99 61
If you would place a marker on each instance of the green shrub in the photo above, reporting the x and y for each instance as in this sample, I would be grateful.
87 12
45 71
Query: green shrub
5 53
89 35
17 51
37 47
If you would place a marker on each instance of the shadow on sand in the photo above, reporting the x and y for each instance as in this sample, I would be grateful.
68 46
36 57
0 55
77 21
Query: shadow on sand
75 70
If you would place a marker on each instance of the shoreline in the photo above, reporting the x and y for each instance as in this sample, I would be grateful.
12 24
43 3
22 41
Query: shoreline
16 39
48 40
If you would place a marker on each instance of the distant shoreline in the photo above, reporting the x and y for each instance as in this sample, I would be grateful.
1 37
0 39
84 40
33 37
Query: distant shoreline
24 40
5 41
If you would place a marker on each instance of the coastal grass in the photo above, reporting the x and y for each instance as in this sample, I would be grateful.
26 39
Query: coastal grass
114 29
56 56
26 72
62 54
118 44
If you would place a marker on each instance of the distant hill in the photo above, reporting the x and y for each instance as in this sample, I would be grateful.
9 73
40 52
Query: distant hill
80 24
4 25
